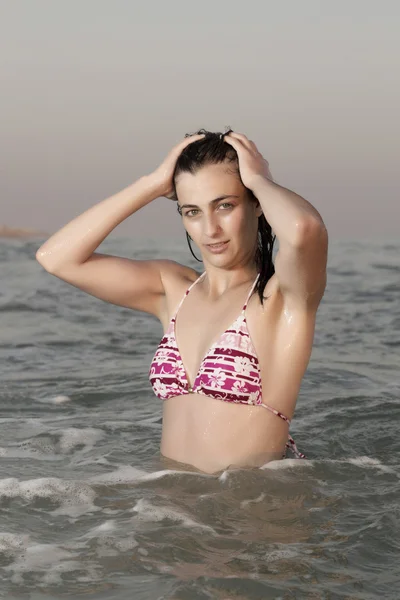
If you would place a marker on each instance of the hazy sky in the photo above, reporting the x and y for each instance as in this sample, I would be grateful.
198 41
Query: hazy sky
94 93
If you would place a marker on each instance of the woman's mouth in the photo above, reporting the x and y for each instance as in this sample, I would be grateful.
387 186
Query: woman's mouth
216 248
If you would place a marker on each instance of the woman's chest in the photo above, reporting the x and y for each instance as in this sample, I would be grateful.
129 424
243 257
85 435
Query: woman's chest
203 335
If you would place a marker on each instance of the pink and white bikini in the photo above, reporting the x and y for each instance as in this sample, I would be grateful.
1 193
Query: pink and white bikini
229 371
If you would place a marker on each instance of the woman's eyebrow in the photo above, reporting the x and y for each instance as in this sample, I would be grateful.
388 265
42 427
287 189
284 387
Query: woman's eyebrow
223 197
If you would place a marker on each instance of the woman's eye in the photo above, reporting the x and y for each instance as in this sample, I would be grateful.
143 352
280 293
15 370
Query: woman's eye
189 213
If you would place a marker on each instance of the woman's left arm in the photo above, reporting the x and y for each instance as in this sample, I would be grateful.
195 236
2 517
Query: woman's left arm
300 264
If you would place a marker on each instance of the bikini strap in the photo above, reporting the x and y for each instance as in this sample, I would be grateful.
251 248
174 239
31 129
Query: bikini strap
187 292
276 412
292 446
250 293
201 277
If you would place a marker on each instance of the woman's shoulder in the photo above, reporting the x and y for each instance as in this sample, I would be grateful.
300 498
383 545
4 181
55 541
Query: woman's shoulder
174 273
176 278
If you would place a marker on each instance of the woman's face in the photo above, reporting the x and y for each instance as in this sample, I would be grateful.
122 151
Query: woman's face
216 208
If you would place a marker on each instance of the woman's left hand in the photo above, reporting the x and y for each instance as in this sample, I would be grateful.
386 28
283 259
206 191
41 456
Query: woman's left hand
252 164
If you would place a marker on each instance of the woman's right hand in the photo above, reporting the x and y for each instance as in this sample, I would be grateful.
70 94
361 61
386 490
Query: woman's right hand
162 177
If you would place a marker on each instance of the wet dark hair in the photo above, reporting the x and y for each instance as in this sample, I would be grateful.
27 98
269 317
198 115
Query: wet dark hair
210 150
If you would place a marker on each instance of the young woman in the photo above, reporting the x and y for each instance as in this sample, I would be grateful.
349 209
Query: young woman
237 338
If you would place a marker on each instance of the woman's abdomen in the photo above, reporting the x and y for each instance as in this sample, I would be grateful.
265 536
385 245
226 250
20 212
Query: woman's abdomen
212 434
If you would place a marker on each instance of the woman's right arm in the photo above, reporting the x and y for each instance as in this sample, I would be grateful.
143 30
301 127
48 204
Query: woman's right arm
138 284
69 253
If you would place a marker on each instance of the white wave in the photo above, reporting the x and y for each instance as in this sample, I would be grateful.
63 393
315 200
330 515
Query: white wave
287 463
122 475
86 436
61 399
74 497
103 528
366 462
272 555
32 557
12 544
47 448
285 553
275 465
149 512
259 498
128 474
49 562
108 538
44 452
359 461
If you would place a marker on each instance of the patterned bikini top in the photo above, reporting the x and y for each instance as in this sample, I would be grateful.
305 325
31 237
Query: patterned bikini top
229 371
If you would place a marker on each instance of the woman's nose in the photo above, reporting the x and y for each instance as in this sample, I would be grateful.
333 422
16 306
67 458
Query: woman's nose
211 226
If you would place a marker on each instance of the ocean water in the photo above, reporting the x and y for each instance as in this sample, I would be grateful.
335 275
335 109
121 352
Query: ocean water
89 510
